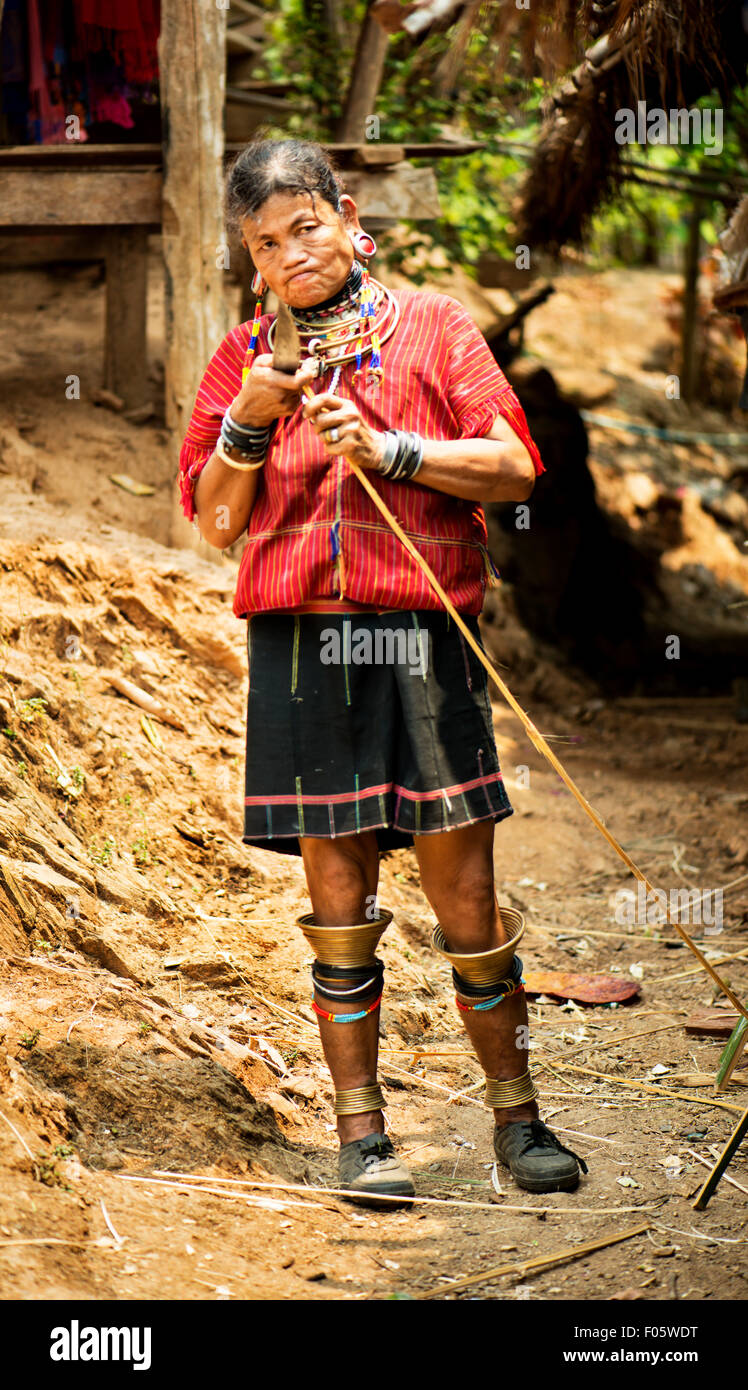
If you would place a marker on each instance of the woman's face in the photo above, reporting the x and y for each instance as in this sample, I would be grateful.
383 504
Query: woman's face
301 249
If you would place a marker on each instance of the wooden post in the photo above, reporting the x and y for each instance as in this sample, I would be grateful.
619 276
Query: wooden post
365 80
192 60
125 355
690 302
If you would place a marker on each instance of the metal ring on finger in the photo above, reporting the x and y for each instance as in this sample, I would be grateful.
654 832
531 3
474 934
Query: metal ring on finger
332 435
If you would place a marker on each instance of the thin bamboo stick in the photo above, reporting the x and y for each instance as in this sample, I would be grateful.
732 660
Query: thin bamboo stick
685 974
652 1090
418 1201
536 1266
19 1137
280 1204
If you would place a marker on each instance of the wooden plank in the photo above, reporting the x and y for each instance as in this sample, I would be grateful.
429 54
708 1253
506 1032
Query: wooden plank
712 1023
374 154
246 7
399 192
78 156
241 71
80 197
236 39
125 355
47 248
436 149
241 97
250 28
75 155
191 52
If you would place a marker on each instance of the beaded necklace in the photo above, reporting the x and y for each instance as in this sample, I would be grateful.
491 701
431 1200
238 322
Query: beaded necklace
344 327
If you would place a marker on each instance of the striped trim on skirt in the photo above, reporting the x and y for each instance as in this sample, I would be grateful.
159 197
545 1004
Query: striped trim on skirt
366 721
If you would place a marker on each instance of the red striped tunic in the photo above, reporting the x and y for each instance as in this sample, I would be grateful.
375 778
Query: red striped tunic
313 532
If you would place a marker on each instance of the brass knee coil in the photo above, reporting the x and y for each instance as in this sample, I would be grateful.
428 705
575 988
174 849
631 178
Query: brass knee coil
484 967
347 945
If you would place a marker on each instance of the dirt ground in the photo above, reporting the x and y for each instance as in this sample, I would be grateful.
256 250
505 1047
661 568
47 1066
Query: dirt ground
154 989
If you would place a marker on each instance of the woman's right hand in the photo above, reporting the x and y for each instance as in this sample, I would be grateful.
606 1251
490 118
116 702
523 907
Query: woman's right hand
268 393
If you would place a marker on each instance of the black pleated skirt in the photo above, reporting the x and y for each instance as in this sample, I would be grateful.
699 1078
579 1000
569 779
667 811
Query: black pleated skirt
366 721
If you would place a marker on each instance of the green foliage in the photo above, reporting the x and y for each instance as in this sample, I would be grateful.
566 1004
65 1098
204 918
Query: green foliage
417 104
45 1167
31 710
302 50
639 214
140 850
103 855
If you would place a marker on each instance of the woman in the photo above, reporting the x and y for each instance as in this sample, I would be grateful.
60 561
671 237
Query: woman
369 723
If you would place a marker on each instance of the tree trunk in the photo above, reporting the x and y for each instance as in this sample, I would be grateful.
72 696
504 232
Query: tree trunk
365 81
192 61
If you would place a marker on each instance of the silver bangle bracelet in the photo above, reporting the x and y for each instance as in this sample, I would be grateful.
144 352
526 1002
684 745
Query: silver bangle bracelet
402 456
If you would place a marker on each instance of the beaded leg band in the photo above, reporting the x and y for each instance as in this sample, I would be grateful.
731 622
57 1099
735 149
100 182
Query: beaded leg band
502 1095
356 984
360 1100
497 996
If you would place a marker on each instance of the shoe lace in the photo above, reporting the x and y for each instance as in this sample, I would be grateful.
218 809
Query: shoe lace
542 1137
376 1150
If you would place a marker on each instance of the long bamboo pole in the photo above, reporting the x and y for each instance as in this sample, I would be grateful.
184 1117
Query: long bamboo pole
536 738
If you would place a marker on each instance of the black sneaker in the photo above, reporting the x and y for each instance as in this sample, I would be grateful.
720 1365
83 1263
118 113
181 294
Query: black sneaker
369 1167
535 1158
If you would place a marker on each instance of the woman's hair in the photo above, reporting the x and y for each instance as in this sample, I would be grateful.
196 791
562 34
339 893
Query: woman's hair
265 167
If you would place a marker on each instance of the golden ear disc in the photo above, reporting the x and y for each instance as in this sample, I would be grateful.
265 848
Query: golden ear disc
348 945
484 967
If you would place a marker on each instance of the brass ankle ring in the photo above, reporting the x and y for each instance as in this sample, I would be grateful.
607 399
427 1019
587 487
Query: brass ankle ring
359 1100
502 1095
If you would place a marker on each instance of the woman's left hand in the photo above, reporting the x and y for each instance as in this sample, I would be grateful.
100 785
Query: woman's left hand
328 413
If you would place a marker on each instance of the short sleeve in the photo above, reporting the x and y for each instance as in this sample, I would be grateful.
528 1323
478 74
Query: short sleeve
221 382
477 389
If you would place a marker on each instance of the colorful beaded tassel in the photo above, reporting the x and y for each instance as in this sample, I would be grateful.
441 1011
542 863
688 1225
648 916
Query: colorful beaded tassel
373 374
258 288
